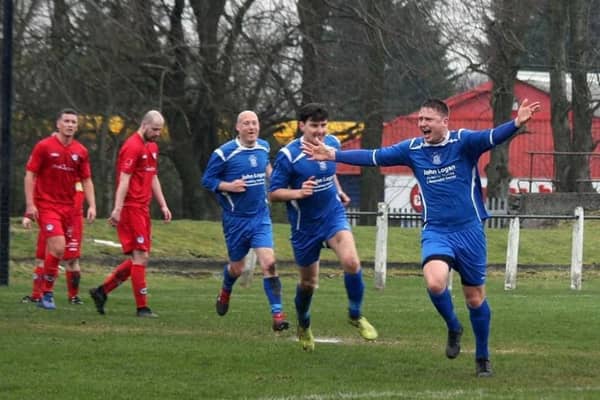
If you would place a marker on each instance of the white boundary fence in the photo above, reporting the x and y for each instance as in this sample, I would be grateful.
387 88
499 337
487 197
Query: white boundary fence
512 249
499 214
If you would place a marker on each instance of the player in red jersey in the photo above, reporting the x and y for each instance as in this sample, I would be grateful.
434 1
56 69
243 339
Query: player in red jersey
137 181
72 254
55 165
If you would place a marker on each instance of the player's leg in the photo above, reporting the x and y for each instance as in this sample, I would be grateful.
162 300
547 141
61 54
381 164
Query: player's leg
138 283
139 223
53 222
262 243
128 239
237 233
480 316
438 258
118 275
73 275
472 255
342 242
72 255
272 287
308 282
38 271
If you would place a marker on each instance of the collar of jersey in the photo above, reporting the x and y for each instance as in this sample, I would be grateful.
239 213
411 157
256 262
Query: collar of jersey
237 140
442 143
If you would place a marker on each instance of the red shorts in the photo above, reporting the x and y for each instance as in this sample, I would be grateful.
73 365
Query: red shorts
55 221
134 229
73 235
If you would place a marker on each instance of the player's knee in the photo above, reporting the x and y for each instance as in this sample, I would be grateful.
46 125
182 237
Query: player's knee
436 286
350 264
236 268
474 299
309 285
269 269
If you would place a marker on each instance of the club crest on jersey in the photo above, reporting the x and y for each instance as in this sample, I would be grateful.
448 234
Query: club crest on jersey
74 157
154 155
322 165
436 159
139 239
253 161
49 228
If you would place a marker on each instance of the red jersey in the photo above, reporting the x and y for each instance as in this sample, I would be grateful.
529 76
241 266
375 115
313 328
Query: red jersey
57 168
140 160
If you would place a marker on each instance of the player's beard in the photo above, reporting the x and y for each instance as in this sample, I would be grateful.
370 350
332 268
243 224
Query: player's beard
149 138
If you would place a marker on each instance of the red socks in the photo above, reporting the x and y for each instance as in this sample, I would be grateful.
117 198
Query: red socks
38 278
138 284
138 281
50 272
118 276
73 278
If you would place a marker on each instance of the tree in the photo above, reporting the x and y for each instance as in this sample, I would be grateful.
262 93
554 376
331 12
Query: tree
505 31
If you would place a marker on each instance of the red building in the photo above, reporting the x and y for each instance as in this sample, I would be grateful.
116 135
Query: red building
472 110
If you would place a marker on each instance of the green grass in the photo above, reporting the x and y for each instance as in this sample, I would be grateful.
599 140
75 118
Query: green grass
544 339
203 241
544 343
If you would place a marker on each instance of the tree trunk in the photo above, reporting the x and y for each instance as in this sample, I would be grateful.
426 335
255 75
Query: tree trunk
581 96
312 15
561 132
505 33
372 182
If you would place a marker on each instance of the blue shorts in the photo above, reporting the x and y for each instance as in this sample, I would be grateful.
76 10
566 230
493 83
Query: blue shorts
308 241
466 247
245 233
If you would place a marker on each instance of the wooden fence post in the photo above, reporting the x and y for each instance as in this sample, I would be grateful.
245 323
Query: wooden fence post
512 255
381 246
577 250
248 271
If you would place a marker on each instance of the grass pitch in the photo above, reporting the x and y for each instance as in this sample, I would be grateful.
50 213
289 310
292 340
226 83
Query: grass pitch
544 342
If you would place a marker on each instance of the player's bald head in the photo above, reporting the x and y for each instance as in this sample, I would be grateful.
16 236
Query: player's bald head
153 117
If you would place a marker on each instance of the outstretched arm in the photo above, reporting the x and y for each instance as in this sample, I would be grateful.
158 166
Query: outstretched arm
526 111
322 152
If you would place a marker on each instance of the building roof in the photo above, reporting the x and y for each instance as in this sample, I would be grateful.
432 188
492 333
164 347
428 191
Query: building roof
472 110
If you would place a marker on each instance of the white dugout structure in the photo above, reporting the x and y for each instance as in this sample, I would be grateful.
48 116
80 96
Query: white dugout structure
512 248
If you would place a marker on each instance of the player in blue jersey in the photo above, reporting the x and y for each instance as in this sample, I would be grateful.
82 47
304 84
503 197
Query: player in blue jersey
445 165
237 172
315 208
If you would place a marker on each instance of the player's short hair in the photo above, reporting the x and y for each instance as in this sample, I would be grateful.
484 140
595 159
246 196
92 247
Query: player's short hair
313 111
437 105
64 111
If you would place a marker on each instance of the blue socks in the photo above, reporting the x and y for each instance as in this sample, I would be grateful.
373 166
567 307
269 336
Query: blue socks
355 289
228 280
443 304
480 321
302 300
272 288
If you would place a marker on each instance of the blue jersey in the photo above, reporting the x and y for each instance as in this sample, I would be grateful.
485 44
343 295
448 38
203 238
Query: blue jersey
234 161
292 167
446 172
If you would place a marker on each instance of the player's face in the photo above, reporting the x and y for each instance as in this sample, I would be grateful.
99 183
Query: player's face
248 128
67 125
433 125
313 130
151 130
